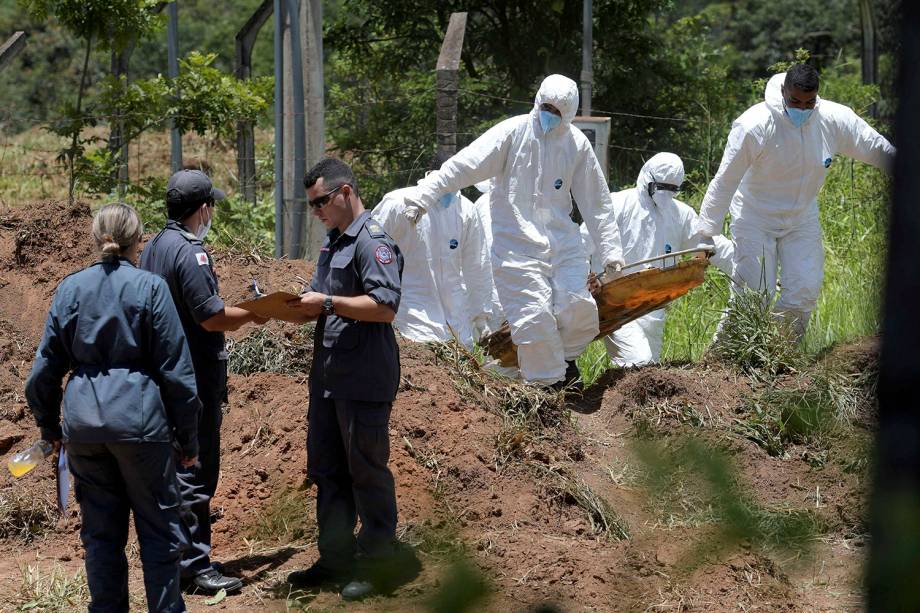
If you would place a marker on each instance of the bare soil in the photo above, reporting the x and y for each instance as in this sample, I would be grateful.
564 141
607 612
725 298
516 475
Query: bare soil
466 483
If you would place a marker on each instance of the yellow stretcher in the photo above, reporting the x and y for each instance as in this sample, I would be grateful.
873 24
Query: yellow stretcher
625 298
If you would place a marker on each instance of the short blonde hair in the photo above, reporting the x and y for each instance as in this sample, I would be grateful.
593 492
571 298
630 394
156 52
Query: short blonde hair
116 228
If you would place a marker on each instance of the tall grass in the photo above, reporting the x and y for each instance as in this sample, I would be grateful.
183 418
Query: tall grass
854 215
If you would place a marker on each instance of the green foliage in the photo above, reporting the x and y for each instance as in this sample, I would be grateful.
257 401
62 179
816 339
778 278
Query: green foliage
707 473
205 98
807 410
202 99
381 95
760 33
243 226
754 339
693 319
111 24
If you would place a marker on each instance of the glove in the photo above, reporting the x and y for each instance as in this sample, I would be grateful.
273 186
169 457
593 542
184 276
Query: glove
703 242
613 269
413 211
480 325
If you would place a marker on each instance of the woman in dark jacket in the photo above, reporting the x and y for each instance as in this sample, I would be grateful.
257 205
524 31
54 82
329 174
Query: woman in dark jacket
130 412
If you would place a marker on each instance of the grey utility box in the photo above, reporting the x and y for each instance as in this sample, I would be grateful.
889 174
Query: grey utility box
597 129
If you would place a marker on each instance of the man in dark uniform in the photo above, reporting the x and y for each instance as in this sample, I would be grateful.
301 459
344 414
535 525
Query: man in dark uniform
354 297
177 255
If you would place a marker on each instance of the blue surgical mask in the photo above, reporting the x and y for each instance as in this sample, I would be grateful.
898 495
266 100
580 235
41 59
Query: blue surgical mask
798 116
448 199
548 121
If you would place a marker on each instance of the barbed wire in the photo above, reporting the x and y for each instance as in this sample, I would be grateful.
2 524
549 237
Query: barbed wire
405 96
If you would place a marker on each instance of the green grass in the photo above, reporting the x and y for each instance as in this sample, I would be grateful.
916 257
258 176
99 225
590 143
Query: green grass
854 215
754 340
593 362
706 475
819 403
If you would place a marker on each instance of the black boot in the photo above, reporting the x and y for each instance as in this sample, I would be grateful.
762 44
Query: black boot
211 582
316 576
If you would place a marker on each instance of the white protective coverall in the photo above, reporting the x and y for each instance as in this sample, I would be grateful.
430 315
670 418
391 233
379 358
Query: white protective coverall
483 208
648 228
446 280
538 261
769 177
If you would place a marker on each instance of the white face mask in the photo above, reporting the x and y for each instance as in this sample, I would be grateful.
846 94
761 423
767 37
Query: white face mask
203 228
662 197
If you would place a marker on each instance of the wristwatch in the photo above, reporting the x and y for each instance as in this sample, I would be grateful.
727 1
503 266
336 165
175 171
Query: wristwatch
327 306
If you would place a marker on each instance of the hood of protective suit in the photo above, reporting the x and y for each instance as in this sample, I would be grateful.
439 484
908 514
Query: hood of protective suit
562 93
663 168
773 96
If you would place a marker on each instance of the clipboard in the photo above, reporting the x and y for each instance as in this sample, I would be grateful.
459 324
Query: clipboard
273 305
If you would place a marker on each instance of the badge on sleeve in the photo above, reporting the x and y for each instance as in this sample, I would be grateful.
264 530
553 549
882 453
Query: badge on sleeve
383 254
202 258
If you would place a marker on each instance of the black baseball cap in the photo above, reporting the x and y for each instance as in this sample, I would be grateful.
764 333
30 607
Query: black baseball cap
187 190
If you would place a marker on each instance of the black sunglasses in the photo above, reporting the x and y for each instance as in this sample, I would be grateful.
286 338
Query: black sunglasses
320 202
655 186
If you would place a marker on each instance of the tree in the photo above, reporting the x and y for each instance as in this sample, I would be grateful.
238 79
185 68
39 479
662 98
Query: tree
381 75
111 25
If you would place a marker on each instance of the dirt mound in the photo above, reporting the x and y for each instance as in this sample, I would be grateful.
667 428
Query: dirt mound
861 356
49 232
237 270
537 497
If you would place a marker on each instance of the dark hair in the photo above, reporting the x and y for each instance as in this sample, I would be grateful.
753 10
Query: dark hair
438 159
334 172
803 77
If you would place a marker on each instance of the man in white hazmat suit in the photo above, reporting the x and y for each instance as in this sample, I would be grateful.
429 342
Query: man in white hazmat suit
447 280
539 161
653 222
775 161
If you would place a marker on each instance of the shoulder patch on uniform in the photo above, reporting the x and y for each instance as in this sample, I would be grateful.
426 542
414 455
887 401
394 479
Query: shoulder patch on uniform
202 258
383 254
374 229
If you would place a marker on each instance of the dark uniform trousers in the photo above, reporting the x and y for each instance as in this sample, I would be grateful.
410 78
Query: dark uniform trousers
198 483
353 381
348 447
111 480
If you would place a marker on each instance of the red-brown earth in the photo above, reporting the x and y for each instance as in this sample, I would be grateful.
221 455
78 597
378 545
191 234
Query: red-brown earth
470 483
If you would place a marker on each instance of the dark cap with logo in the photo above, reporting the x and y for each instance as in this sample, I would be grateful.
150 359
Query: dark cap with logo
187 190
